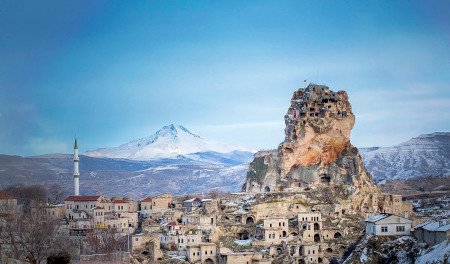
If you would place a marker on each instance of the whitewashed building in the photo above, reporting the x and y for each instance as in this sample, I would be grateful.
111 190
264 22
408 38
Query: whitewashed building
387 225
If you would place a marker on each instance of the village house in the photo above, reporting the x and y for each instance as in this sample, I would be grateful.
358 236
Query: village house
226 256
205 253
79 206
192 204
171 216
56 211
387 225
155 206
148 244
87 212
310 226
311 253
433 232
275 230
8 204
205 221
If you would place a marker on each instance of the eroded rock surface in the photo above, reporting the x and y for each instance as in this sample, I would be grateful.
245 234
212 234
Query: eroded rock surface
316 152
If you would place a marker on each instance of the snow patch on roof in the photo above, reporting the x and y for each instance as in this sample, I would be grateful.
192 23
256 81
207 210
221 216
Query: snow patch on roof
376 218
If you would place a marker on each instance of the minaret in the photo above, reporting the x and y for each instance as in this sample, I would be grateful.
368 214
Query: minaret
76 173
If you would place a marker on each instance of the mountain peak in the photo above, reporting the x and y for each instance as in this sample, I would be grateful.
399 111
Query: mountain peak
170 141
174 129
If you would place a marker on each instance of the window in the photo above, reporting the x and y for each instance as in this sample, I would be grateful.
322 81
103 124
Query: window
384 229
400 228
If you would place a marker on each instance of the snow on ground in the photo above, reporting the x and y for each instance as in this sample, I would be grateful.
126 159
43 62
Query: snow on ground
363 258
440 253
246 242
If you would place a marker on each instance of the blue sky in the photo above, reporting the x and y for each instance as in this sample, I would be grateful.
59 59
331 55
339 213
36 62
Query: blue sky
113 71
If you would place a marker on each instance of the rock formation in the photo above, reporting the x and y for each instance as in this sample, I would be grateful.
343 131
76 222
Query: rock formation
316 152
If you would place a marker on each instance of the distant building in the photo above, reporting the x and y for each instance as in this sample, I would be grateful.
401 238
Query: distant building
88 212
155 206
387 225
192 204
8 203
433 232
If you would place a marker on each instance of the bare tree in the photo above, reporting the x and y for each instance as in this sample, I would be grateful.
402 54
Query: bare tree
102 241
56 193
28 195
31 236
216 193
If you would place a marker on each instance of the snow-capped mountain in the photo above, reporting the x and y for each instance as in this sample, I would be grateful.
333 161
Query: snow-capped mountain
425 155
170 141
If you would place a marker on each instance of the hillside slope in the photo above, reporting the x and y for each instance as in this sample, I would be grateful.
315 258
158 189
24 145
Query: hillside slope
425 155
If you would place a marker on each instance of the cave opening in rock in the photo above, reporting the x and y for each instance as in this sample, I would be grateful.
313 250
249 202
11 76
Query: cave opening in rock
316 238
325 179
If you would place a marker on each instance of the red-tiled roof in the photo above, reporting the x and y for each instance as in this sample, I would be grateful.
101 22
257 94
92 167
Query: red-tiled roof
148 199
172 224
5 196
119 201
99 207
76 198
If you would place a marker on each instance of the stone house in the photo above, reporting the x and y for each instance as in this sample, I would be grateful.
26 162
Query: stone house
181 239
99 217
155 205
433 232
204 253
310 226
205 221
310 253
226 256
387 225
56 211
81 203
148 244
118 223
171 216
87 212
275 230
192 204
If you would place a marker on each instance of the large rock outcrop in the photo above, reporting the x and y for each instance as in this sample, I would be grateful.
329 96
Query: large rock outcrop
316 152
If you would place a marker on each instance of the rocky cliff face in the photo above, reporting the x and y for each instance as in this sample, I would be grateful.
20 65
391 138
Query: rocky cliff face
316 152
